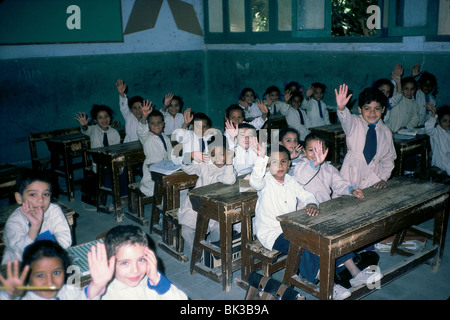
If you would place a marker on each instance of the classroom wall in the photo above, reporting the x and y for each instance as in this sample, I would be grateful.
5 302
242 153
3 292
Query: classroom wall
42 86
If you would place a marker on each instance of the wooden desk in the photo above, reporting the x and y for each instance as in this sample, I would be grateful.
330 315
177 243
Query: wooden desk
66 148
78 255
170 186
114 158
410 147
225 204
335 137
346 224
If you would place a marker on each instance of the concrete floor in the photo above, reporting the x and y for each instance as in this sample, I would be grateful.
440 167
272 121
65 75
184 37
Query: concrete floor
419 284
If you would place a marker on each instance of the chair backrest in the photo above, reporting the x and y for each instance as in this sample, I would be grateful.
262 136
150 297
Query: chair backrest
268 288
35 137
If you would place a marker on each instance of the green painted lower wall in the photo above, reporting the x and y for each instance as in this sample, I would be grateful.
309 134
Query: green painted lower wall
44 94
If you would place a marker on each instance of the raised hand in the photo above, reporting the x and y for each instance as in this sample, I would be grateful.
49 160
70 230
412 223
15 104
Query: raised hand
341 96
432 108
188 117
121 87
152 267
100 268
416 70
231 129
82 118
262 106
320 155
14 279
287 95
260 149
146 108
310 91
168 98
297 151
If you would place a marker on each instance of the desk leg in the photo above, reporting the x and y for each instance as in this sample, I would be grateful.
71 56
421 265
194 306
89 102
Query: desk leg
292 263
117 200
200 233
440 226
226 253
69 174
327 268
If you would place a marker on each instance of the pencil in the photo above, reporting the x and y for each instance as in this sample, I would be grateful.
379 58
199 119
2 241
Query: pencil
46 288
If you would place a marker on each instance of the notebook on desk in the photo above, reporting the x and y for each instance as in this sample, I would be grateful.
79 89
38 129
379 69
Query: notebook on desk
166 167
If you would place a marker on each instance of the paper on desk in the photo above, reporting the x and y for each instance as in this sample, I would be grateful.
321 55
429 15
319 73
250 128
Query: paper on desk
411 131
166 167
244 184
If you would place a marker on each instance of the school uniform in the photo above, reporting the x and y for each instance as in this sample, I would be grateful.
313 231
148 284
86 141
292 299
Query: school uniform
422 100
17 227
156 148
440 144
164 290
98 137
171 123
274 199
296 119
252 111
403 114
324 181
317 112
131 122
243 160
190 141
207 174
355 168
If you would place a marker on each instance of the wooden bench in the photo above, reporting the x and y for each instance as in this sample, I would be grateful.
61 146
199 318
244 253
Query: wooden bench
435 174
7 210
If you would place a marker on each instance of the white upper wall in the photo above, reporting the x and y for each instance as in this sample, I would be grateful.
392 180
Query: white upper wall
166 37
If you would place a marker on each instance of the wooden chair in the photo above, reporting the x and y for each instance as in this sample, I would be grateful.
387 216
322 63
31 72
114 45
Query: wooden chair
255 256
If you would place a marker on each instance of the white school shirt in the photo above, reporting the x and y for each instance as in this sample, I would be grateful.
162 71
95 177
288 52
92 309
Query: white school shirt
67 292
293 119
207 174
190 141
251 112
355 168
404 114
164 290
17 227
131 122
324 181
171 123
274 199
244 160
440 144
154 152
311 106
421 101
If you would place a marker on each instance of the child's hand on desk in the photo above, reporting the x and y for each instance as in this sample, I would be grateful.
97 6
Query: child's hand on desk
380 184
358 193
100 268
152 269
312 209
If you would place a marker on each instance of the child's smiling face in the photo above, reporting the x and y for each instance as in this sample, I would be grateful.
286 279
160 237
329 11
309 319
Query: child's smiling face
156 124
290 141
371 112
47 271
409 89
244 136
444 122
103 120
318 94
38 193
279 165
136 109
174 107
131 264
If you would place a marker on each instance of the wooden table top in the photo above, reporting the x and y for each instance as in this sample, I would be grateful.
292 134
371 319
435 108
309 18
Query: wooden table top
347 214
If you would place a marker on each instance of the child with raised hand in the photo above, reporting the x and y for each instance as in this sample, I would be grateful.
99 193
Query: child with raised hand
216 167
132 267
156 145
439 136
425 94
247 103
296 117
238 140
405 112
35 216
370 146
171 110
46 264
278 193
319 177
289 138
392 92
315 108
131 111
